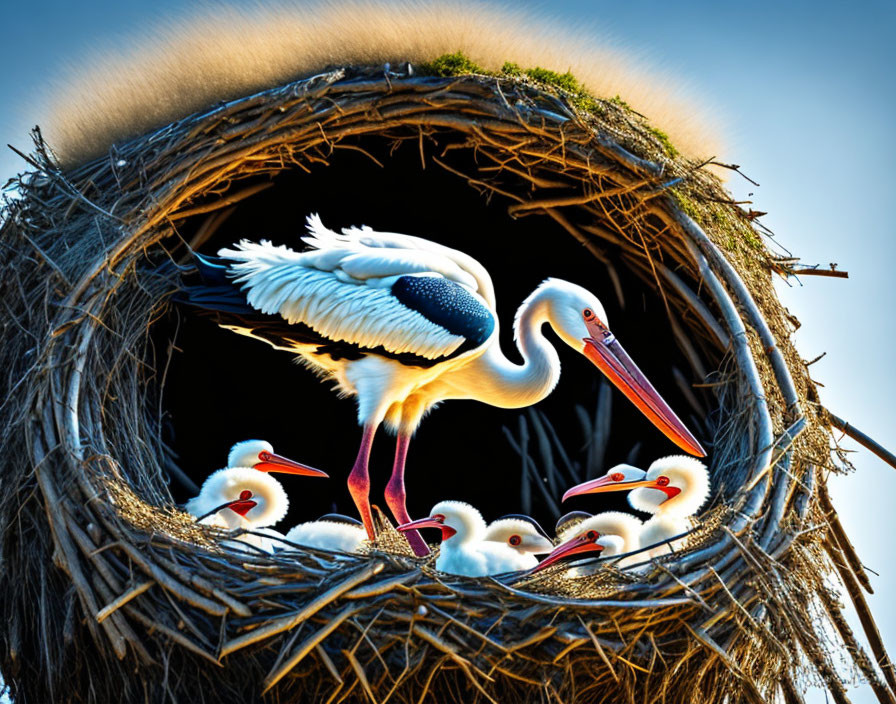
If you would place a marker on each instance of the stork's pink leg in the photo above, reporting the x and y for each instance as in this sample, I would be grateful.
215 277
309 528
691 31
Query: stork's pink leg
395 495
359 480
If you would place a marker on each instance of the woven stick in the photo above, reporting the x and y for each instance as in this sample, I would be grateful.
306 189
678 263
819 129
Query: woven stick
287 622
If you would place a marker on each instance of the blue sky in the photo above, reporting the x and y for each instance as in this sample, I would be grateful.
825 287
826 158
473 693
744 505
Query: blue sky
806 94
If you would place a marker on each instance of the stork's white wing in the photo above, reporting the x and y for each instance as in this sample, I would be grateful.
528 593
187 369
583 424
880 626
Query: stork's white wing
315 289
365 253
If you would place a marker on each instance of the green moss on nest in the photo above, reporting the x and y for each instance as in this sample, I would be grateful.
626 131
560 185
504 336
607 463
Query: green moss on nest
720 219
563 81
458 64
616 100
685 204
455 64
664 140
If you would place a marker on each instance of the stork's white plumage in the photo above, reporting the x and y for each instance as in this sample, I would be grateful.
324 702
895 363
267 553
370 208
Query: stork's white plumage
673 489
402 323
245 496
330 532
523 535
464 549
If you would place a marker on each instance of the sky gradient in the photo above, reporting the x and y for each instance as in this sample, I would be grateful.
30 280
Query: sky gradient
806 97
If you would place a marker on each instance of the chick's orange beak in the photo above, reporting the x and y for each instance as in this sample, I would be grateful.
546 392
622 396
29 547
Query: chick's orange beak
576 546
447 531
277 463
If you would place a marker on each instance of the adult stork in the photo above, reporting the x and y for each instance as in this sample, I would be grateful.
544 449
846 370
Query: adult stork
402 323
673 489
243 495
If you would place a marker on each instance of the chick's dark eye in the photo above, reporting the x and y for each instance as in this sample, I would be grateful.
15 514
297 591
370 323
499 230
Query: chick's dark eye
515 540
588 313
592 535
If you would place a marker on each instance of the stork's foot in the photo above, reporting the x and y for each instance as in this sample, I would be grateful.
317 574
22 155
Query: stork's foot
395 500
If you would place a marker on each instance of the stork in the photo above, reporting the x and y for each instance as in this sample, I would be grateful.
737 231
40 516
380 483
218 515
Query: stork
673 489
402 323
244 495
330 532
620 533
523 535
464 549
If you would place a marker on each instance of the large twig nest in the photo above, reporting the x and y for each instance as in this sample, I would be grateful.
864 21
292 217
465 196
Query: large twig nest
112 594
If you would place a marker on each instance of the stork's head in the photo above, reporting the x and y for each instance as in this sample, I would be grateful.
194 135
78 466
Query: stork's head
585 543
624 528
241 497
519 532
578 317
677 485
259 455
622 477
458 521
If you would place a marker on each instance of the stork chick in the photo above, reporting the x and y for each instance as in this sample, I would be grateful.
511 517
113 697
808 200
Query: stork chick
465 551
245 496
621 533
330 532
673 489
523 535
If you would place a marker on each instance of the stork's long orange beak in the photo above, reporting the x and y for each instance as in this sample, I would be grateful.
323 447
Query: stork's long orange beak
604 350
576 546
277 463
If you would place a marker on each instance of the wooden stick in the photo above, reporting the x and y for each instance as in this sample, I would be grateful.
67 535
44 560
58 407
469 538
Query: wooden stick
287 622
111 608
863 439
307 646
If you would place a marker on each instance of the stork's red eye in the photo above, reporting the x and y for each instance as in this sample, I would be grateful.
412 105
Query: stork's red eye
617 476
515 540
264 456
588 313
245 495
592 535
662 481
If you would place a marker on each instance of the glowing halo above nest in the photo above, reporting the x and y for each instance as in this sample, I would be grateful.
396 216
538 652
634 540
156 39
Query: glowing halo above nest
737 614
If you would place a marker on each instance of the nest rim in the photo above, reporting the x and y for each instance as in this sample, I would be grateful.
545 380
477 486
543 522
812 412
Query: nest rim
777 490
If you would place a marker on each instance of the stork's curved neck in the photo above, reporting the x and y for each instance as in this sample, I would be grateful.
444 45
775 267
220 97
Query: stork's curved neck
500 382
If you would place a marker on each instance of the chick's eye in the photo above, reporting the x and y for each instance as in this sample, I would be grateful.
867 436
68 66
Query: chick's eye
244 495
662 481
588 313
515 540
592 535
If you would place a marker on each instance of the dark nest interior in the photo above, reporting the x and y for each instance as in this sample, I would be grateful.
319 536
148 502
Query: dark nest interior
120 401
